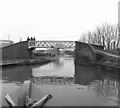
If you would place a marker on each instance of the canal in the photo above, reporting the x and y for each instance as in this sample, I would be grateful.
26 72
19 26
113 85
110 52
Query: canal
69 83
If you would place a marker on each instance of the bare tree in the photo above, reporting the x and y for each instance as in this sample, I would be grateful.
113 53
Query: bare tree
105 35
83 38
118 37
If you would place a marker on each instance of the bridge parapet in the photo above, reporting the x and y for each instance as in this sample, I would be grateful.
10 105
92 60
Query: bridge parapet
49 44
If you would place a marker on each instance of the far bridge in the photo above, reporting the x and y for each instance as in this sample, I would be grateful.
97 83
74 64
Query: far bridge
51 44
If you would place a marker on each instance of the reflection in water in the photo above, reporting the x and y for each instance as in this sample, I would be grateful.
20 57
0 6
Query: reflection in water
106 88
58 63
103 83
84 75
64 72
63 68
16 74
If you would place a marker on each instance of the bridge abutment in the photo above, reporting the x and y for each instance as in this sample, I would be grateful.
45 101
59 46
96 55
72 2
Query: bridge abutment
84 53
17 51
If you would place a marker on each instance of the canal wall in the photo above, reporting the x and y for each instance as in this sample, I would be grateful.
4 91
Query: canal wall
16 51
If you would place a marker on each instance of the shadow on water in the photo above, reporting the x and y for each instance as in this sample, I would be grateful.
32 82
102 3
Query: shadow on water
18 74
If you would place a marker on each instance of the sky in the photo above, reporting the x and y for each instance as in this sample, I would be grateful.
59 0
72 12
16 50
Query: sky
54 19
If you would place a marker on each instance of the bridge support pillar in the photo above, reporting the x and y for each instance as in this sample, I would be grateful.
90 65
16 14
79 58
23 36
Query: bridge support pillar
31 55
58 51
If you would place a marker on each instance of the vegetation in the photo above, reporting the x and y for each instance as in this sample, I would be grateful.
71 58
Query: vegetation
105 35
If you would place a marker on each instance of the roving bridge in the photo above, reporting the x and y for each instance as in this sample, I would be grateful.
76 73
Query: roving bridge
24 49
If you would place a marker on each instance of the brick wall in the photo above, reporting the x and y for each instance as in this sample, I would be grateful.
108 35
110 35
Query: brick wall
16 51
84 53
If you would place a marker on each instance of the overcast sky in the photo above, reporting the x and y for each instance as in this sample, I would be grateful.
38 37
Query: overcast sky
54 19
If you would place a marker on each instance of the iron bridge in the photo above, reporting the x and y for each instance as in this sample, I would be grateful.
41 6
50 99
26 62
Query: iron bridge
50 44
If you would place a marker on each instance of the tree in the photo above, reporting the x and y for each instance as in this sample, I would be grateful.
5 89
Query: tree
83 38
105 35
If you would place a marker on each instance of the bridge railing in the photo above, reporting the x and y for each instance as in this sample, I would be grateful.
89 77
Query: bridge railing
50 44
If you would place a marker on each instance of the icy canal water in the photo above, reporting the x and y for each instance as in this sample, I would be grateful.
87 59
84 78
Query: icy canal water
70 84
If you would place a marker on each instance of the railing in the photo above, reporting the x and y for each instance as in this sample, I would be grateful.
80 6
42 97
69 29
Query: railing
50 44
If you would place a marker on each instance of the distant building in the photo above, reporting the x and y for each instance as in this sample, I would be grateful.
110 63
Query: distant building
4 43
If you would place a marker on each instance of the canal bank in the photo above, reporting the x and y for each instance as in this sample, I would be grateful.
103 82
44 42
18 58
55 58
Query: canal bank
42 60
